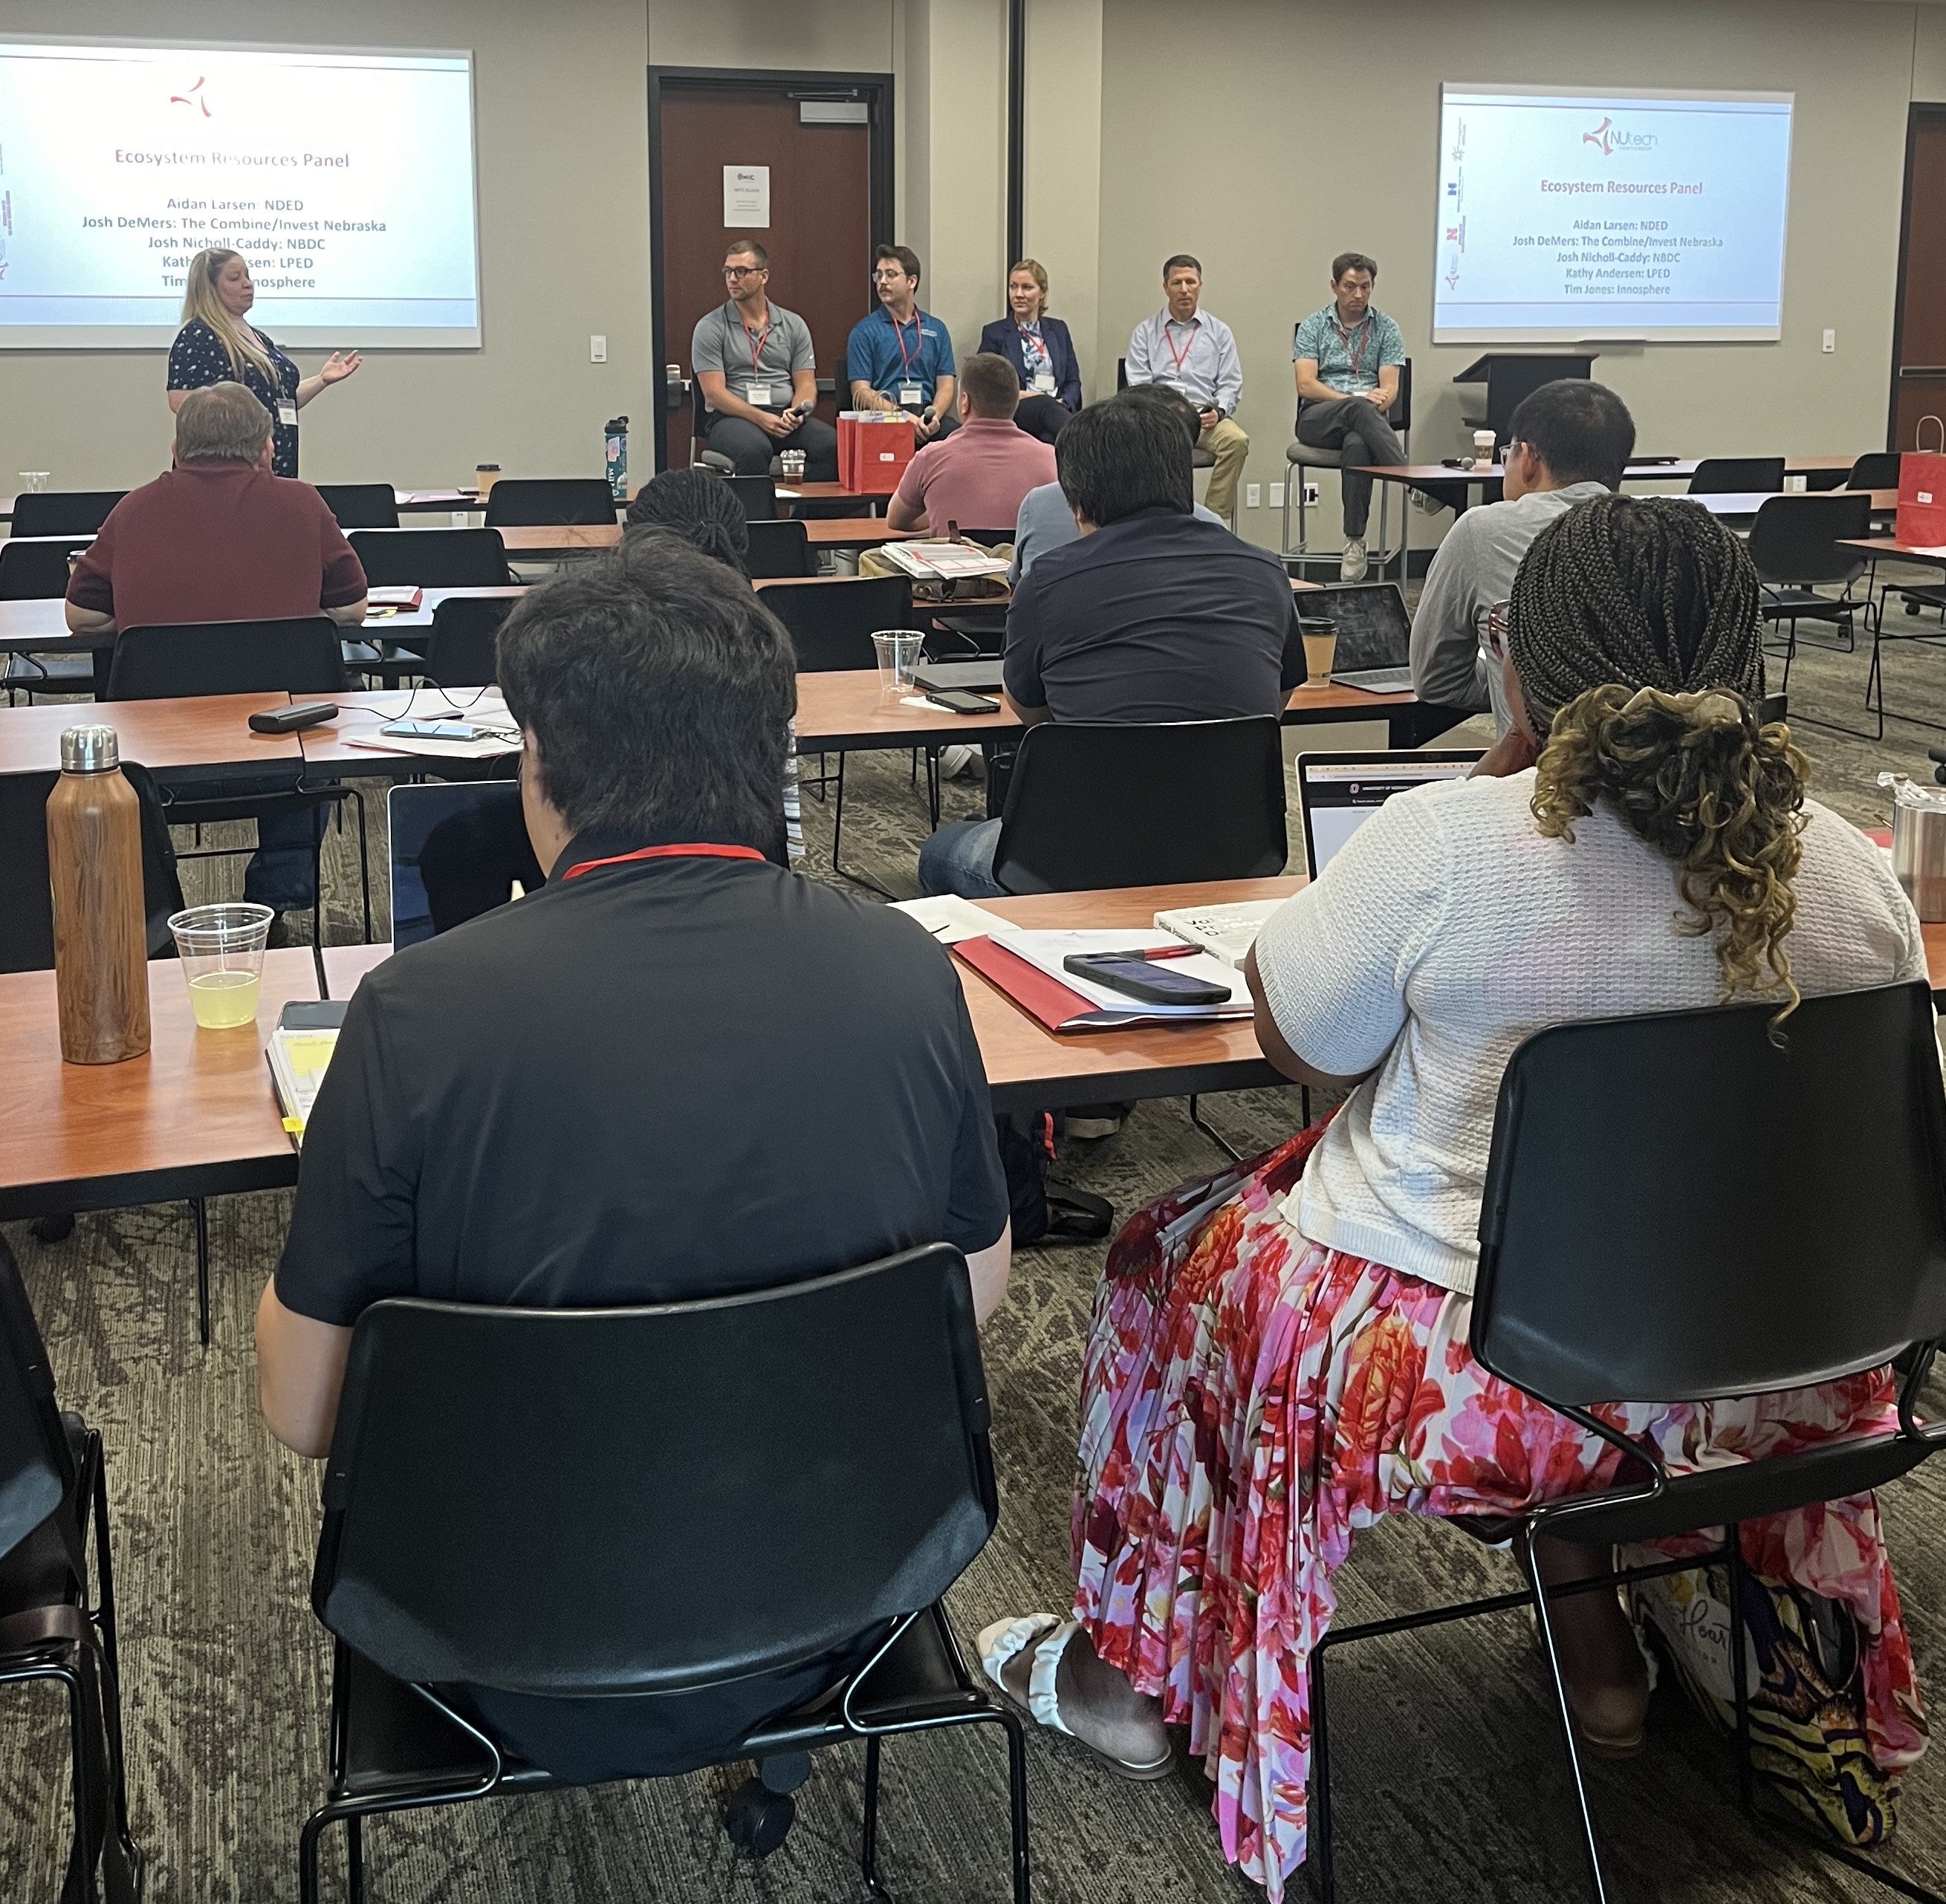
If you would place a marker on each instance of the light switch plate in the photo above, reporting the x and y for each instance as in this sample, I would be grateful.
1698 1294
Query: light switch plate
1253 495
1311 495
597 349
1831 340
1277 496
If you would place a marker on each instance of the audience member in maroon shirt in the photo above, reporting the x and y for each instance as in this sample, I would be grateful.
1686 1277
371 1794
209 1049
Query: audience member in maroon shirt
219 538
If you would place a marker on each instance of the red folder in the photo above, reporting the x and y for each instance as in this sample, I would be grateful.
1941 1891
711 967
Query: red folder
1058 1007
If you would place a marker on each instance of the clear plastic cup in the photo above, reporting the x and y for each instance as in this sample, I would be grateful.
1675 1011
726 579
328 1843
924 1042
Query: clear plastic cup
34 482
898 661
793 463
221 948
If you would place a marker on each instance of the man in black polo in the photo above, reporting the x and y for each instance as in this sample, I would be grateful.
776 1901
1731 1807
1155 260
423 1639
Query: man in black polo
573 1100
1151 615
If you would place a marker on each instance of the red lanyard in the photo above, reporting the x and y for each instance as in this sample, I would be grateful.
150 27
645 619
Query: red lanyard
1364 327
763 336
1179 355
694 851
918 343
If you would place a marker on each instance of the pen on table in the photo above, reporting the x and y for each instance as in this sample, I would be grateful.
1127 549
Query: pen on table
1150 953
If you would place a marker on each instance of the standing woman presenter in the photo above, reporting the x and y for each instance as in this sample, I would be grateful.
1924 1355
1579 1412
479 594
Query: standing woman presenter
218 343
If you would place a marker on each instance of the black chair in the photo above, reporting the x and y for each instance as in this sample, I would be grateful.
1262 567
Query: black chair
301 658
361 505
1876 470
549 502
431 558
759 495
1794 546
1093 804
1717 476
462 650
1642 1234
64 512
1301 456
38 571
780 551
57 1613
508 1505
832 622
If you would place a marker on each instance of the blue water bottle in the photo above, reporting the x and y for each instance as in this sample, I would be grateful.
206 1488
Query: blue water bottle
617 435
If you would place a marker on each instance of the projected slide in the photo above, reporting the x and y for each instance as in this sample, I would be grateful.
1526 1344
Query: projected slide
1565 215
346 180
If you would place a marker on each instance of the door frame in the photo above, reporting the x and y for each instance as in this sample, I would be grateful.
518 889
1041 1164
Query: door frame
874 88
1920 113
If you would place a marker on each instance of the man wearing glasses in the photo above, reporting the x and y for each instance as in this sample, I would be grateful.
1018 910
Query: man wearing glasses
900 357
758 372
1569 442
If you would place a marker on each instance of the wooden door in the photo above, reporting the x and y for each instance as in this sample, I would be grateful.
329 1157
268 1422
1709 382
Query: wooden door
1919 354
819 236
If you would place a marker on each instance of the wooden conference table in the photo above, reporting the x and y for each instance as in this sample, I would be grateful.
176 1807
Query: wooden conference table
589 538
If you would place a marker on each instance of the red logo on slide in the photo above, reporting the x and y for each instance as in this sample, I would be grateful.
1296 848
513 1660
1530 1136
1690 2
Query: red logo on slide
190 98
1603 135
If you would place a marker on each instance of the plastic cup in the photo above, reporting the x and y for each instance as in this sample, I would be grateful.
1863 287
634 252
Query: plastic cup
1320 652
793 462
221 948
34 481
898 661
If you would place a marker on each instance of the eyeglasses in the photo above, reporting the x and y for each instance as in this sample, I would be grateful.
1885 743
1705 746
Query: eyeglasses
888 277
1496 630
744 270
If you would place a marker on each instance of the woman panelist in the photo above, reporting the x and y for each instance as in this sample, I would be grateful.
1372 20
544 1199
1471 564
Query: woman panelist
1041 351
217 344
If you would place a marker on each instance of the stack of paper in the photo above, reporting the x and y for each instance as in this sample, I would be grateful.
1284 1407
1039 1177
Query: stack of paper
1226 932
299 1051
944 561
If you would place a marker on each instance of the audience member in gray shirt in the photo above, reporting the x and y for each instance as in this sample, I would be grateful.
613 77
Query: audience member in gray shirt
1568 442
1046 521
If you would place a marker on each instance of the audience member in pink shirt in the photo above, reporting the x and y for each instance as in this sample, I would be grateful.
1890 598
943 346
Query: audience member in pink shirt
977 476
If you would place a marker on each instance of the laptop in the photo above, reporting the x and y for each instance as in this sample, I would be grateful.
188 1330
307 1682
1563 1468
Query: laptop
980 677
1374 635
1338 793
458 850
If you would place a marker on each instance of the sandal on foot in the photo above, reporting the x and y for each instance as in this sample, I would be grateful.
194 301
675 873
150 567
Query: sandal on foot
1048 1635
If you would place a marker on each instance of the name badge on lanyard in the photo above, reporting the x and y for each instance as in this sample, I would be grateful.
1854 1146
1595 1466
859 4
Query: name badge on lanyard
287 413
759 394
1044 382
910 394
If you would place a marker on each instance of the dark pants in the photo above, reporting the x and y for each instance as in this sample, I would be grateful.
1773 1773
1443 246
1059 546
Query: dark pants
1357 428
1042 417
750 449
283 872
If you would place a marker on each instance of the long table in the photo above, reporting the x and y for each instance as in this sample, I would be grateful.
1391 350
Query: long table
587 538
196 732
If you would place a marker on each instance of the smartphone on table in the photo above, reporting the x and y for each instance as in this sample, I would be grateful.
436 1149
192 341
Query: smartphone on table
1154 984
959 700
430 731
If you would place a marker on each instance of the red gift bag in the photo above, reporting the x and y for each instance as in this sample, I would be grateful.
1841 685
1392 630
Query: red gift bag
1921 492
872 457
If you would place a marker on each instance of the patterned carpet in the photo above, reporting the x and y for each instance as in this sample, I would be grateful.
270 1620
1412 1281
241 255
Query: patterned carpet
1450 1778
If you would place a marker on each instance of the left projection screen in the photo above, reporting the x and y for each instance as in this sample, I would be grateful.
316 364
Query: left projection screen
346 179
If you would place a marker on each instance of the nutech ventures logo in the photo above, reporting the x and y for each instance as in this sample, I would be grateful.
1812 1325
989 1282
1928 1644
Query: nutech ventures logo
194 97
1612 139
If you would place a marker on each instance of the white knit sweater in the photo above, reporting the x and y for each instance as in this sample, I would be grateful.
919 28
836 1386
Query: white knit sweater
1448 929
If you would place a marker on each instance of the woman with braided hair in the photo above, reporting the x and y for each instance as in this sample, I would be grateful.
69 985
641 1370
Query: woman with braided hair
1278 1356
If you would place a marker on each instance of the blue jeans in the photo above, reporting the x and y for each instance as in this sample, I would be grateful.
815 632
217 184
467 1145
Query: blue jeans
959 859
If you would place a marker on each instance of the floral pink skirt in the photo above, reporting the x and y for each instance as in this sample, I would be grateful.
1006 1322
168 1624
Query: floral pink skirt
1250 1399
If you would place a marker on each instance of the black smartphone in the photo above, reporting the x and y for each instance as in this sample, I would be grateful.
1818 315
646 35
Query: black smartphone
430 731
1154 984
959 700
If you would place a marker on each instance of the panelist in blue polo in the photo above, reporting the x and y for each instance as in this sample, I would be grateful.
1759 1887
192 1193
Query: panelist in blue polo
900 357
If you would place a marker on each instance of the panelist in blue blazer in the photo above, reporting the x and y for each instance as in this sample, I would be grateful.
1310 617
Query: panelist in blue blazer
1040 350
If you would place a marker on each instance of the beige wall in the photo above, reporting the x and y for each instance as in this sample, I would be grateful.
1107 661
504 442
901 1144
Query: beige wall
1314 167
561 116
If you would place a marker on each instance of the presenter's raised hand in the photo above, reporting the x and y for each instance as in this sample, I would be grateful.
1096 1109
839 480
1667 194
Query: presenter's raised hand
337 367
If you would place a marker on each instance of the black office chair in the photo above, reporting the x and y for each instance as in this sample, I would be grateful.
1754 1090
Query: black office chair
431 558
1717 476
780 550
832 622
462 650
759 495
509 1505
38 571
550 502
56 1611
1642 1234
1301 456
1095 804
64 512
301 658
361 505
1876 470
1793 545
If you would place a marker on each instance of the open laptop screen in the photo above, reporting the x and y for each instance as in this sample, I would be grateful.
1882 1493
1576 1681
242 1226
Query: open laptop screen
1340 792
457 850
1373 629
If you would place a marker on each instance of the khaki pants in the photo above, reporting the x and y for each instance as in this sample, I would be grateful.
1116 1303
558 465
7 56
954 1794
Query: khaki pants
1231 448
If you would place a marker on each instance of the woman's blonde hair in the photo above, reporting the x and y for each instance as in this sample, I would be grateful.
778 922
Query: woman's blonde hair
1036 270
1634 630
200 299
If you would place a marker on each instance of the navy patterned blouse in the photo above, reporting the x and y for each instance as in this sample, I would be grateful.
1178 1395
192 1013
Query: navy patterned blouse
198 359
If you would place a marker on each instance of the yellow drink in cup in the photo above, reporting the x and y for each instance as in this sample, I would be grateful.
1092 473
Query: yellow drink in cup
222 1000
221 950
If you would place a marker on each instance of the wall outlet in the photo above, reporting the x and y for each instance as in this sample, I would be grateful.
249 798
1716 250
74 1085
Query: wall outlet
597 349
1311 495
1277 496
1253 495
1830 340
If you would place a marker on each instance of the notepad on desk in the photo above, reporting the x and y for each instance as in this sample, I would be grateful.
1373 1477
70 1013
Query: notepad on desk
298 1053
1028 967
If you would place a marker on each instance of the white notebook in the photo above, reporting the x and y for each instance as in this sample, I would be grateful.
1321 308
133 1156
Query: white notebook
1226 932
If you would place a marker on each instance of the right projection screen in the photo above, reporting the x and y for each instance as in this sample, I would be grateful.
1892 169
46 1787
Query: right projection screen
1567 216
